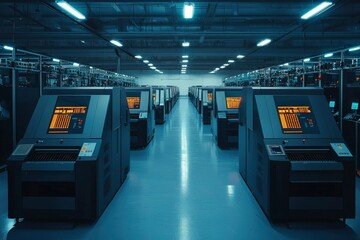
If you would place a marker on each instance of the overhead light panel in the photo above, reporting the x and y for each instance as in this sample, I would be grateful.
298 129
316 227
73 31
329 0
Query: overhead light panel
226 64
150 64
56 60
188 10
222 67
76 64
231 61
328 55
116 43
183 65
152 67
70 9
185 56
138 57
264 42
91 67
322 7
185 61
240 56
286 64
186 44
8 48
145 61
217 69
307 60
354 49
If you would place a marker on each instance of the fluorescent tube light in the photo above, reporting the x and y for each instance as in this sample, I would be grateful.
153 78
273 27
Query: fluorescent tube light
183 65
70 9
322 7
217 69
76 64
240 56
222 67
264 42
150 64
138 57
185 56
8 48
186 44
91 67
145 61
286 64
226 64
152 67
56 60
354 49
185 61
328 55
231 61
188 10
116 43
307 60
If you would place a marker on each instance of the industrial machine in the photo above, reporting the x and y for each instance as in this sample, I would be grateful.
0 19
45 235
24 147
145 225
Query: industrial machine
206 105
159 104
142 116
72 159
168 101
225 117
351 131
292 155
199 99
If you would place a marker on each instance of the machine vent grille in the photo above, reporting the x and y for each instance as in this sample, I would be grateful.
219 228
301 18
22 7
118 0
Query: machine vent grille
53 155
314 155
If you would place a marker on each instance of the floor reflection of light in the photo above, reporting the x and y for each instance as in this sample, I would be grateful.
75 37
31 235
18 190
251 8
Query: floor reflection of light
184 161
184 228
230 190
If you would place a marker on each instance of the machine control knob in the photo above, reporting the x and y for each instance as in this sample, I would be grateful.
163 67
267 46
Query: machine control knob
61 140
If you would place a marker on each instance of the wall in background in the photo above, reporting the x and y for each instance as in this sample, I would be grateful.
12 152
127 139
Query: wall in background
182 81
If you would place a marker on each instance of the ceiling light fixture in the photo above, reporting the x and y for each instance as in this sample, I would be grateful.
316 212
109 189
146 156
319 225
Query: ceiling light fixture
183 65
286 64
354 49
186 44
145 61
240 56
217 69
152 67
76 64
307 60
70 9
328 55
185 56
138 57
56 60
116 43
188 10
91 67
8 48
322 7
222 67
185 61
231 61
150 64
264 42
226 64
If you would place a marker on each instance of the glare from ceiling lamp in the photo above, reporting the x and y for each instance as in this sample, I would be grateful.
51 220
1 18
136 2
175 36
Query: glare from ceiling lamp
307 60
231 61
222 67
91 67
212 72
56 60
185 61
226 64
188 10
264 42
186 44
70 9
152 67
322 7
76 64
8 48
185 56
240 56
138 57
286 64
354 49
146 61
150 64
217 69
328 55
116 43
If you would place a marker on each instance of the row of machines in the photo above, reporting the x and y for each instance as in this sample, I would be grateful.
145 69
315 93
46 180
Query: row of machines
164 98
292 155
201 98
172 95
74 156
142 116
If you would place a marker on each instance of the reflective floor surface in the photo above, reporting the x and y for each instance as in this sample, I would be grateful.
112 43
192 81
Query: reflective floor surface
180 187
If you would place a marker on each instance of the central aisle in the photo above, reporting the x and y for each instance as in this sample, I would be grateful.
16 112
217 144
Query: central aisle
183 187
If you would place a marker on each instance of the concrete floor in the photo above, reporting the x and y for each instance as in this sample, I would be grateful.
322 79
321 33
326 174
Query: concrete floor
180 187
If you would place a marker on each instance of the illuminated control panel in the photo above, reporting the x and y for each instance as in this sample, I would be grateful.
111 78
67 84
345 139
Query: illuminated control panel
233 102
209 97
341 150
133 102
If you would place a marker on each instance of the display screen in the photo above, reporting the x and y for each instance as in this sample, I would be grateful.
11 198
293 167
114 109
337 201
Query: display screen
209 97
133 102
69 115
355 106
233 102
297 118
332 104
154 97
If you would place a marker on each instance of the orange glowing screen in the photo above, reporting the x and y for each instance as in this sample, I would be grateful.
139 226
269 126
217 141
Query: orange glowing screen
209 97
289 117
133 102
233 102
62 117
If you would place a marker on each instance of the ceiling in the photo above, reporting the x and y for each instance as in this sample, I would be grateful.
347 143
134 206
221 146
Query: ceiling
219 31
